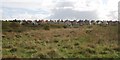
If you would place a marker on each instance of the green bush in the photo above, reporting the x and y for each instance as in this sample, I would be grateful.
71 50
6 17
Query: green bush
14 25
5 25
46 27
13 50
64 26
89 30
57 26
11 27
39 55
53 54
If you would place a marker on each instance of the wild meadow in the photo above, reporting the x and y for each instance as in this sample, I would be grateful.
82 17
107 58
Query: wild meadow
59 41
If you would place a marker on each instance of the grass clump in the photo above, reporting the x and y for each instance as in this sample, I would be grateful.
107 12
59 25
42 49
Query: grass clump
13 50
46 27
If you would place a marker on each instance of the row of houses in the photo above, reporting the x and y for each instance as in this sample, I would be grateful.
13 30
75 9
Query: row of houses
68 22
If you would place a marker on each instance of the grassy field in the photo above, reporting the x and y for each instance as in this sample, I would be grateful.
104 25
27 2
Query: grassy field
81 42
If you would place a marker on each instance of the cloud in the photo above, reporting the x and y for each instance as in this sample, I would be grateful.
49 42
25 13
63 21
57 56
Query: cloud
65 4
72 9
1 14
65 10
108 11
29 4
73 14
22 13
18 9
119 11
29 16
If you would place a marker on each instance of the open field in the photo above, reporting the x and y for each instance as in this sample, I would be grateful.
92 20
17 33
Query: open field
82 42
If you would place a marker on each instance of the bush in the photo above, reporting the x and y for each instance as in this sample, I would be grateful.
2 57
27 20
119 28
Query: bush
57 35
11 27
7 46
89 30
56 25
53 54
46 27
39 55
5 25
31 51
64 26
55 41
89 26
13 50
76 44
14 25
17 36
90 50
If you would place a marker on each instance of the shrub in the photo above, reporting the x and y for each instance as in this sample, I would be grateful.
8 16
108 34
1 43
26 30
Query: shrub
46 27
89 30
72 31
31 51
116 49
17 36
19 31
90 50
6 27
53 54
89 26
7 46
59 45
10 30
10 57
67 47
56 25
13 50
64 26
39 55
29 47
56 41
3 36
14 25
76 44
56 35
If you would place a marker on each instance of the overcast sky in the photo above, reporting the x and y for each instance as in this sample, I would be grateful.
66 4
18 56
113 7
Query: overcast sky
59 9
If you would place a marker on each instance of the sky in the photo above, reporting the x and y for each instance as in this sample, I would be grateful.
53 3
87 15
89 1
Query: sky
59 9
